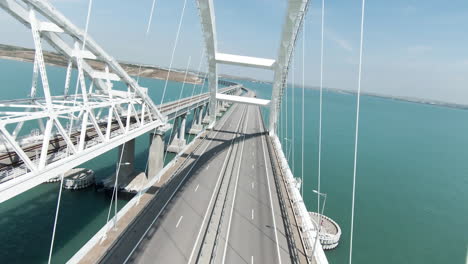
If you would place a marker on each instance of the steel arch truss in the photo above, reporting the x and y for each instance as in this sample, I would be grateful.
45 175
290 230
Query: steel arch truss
295 15
67 129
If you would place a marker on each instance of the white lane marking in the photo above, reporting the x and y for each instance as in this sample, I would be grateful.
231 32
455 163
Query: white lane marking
207 167
211 200
253 166
178 222
251 260
253 184
269 192
235 190
252 214
176 189
196 188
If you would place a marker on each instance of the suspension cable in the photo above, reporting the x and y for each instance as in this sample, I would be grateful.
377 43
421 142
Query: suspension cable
114 190
173 50
303 88
286 128
319 167
293 121
150 17
57 209
357 131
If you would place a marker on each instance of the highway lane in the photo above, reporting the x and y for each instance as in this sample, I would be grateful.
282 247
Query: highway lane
253 235
171 239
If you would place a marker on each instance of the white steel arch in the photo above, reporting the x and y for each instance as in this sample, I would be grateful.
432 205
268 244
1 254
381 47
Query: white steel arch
294 18
293 21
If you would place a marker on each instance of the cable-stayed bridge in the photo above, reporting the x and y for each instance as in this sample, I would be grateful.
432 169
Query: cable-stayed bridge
228 197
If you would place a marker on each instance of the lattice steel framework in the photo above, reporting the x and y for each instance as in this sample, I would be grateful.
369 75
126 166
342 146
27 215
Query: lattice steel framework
71 128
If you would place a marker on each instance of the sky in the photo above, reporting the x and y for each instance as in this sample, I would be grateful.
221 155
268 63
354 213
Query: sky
411 48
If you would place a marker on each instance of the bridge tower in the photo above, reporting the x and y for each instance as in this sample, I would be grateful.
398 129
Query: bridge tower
293 21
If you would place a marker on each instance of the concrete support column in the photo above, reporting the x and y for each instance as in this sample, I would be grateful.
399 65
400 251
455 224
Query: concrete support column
156 155
206 119
222 106
200 115
178 142
127 163
175 128
182 127
197 126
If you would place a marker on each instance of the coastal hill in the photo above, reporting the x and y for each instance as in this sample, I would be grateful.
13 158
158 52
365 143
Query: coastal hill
56 59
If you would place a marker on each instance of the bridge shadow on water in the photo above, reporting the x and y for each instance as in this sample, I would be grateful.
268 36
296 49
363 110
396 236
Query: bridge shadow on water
181 180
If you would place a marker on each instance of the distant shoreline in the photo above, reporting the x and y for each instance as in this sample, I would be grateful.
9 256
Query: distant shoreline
148 71
401 98
51 58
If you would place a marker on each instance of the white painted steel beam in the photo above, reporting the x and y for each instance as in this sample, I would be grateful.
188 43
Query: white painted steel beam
293 20
105 76
21 184
245 61
207 18
242 99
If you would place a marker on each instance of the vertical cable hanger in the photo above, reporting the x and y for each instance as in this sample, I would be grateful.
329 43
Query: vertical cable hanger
357 132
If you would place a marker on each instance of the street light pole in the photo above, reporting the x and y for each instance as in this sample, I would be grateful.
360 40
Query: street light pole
319 217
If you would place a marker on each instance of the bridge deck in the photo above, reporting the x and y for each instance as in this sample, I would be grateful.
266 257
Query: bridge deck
224 182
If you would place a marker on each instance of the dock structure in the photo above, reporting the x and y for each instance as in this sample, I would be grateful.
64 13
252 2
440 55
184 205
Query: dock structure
78 178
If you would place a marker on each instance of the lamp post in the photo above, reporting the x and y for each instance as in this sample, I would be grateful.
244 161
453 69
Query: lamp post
324 195
319 218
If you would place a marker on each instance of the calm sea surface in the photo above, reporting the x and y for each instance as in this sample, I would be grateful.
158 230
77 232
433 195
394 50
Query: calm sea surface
411 192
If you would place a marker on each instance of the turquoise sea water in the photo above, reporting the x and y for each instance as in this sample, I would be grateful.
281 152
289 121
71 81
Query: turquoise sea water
411 192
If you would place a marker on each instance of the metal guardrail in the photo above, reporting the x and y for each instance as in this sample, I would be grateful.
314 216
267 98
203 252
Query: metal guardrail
277 173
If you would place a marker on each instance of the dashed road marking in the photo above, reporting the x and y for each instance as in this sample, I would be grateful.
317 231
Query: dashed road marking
178 222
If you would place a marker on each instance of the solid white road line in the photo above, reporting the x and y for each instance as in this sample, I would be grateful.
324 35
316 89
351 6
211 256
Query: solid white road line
235 189
178 222
269 192
212 197
196 188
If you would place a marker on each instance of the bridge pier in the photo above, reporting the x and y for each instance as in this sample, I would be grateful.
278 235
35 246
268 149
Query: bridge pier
206 119
197 126
178 142
155 155
126 156
222 106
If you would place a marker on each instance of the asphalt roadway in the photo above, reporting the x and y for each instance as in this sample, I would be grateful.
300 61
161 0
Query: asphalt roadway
251 221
